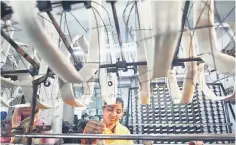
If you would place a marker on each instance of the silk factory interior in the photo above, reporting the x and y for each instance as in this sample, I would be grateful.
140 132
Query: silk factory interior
118 72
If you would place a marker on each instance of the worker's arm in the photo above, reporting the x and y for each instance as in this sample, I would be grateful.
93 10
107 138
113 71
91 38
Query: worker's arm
196 143
15 121
92 127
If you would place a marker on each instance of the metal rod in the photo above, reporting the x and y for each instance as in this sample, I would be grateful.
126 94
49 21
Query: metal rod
188 59
117 27
14 72
169 137
220 78
186 7
127 64
136 7
128 112
20 50
228 127
180 60
145 62
32 113
231 110
65 41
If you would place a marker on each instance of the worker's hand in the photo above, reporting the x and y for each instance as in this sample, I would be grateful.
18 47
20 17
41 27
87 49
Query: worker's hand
94 127
196 143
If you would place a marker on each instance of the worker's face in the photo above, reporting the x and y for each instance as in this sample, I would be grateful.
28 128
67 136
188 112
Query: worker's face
112 113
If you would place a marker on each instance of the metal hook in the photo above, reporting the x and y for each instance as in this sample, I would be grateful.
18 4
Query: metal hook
110 83
47 83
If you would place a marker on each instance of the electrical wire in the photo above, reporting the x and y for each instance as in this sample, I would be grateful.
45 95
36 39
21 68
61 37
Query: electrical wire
219 19
68 28
127 22
45 18
59 39
124 20
137 12
128 3
99 71
132 59
78 22
109 18
4 26
103 24
98 39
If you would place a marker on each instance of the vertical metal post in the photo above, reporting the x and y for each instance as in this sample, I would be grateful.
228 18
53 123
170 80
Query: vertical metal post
33 109
184 16
128 112
231 110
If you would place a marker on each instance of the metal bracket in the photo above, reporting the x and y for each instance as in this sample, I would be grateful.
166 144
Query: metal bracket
6 11
44 6
122 64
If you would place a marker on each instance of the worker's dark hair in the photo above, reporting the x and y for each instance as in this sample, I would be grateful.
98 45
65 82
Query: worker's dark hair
118 100
84 115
